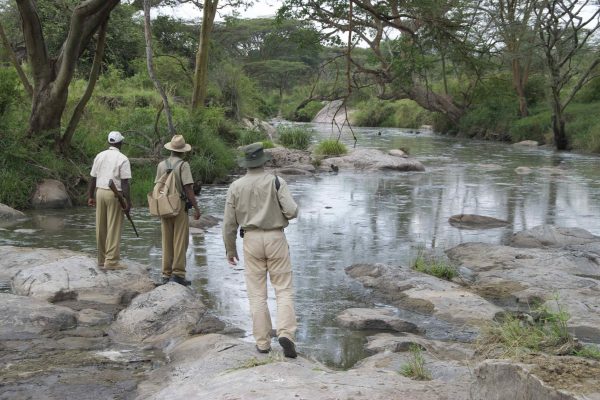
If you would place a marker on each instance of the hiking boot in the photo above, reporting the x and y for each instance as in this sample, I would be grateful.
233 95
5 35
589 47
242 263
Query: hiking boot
289 349
165 280
180 280
114 267
263 351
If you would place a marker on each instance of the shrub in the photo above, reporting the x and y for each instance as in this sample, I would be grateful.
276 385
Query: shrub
294 137
331 147
534 127
435 267
307 113
373 113
415 368
267 144
248 136
588 351
8 88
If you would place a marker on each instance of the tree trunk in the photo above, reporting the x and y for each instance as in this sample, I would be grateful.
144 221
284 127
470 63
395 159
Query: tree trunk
519 81
201 72
432 101
558 128
48 105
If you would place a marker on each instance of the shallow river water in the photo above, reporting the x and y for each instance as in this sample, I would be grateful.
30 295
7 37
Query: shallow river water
349 218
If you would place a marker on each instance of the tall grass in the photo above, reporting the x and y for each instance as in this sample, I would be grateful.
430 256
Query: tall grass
295 137
415 368
331 147
434 266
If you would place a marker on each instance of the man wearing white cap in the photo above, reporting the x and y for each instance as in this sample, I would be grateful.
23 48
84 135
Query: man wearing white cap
109 165
176 230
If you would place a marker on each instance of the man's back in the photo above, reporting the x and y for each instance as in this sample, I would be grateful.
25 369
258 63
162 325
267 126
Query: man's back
110 164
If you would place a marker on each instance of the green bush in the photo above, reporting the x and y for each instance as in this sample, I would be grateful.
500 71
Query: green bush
534 127
331 147
294 137
308 112
373 113
9 82
249 136
435 267
394 114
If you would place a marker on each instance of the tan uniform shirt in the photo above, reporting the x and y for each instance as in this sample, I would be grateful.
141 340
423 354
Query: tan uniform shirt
182 171
110 164
253 202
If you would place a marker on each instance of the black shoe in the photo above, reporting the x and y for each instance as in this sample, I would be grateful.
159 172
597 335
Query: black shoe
165 280
180 280
265 351
289 349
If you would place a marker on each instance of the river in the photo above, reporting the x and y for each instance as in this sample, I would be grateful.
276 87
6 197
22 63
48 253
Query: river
349 218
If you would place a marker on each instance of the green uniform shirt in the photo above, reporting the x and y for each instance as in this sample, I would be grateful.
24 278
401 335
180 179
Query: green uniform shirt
183 172
253 202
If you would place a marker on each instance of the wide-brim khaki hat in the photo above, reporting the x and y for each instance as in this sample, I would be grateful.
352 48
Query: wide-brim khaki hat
254 156
178 144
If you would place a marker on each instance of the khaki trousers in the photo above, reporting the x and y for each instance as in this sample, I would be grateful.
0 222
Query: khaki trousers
175 239
267 252
109 225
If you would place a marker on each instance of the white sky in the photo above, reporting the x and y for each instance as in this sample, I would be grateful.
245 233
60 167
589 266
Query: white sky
262 8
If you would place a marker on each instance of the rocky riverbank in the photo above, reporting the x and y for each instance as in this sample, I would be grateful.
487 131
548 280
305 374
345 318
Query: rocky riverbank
70 330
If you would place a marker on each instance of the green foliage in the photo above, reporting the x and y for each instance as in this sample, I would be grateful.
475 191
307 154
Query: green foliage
433 266
396 114
235 92
590 93
9 82
374 113
249 136
583 126
533 127
588 351
415 368
294 137
307 113
267 144
331 147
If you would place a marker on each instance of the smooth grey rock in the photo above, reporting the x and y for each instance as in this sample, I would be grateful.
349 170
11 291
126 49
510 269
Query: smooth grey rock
226 367
502 379
523 170
374 160
25 318
9 214
162 317
472 221
552 236
332 110
397 343
50 193
205 221
15 259
288 158
426 294
78 277
397 153
374 319
529 143
91 317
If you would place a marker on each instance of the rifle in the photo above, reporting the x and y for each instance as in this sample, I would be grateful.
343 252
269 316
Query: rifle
123 204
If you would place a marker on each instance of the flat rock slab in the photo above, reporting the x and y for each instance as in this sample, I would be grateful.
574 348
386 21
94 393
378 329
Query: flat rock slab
205 221
231 369
25 318
519 277
374 160
8 213
545 378
163 317
374 319
472 221
15 259
426 294
398 343
78 278
552 236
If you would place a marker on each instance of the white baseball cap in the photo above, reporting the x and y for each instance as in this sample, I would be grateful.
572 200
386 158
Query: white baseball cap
115 137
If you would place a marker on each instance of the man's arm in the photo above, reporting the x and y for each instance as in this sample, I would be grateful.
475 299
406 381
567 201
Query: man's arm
91 189
230 227
289 208
126 193
189 193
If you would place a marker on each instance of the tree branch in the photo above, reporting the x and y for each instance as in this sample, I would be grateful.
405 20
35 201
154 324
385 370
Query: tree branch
15 62
34 41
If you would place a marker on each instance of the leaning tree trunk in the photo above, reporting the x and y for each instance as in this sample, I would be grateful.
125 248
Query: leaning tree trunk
201 72
519 80
48 105
558 127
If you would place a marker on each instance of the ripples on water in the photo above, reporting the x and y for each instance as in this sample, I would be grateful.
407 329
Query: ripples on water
363 217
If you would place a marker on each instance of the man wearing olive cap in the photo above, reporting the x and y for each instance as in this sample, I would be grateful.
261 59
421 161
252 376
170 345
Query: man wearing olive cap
261 204
176 230
109 165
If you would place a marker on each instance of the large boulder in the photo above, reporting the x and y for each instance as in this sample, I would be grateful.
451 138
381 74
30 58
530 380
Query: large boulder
8 214
398 343
552 236
26 318
372 159
472 221
50 193
15 259
518 278
164 316
205 221
332 111
283 157
79 278
528 143
537 378
426 294
374 319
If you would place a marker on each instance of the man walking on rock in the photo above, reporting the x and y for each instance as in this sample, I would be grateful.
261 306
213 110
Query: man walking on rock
261 204
109 165
176 230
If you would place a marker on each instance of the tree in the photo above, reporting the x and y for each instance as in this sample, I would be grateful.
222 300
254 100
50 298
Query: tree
566 30
52 75
209 11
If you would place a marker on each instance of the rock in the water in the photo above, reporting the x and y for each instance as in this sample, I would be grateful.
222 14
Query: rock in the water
15 259
50 193
374 319
205 221
530 143
372 159
78 277
523 170
397 153
23 317
545 378
402 343
162 317
332 111
289 158
472 221
552 236
8 214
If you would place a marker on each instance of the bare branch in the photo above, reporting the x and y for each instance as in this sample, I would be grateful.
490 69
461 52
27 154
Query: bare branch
15 62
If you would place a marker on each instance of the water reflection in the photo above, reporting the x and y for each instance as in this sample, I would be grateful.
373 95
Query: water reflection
364 217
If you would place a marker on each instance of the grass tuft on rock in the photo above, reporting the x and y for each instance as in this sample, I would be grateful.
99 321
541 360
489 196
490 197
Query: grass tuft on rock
295 137
415 368
331 147
434 266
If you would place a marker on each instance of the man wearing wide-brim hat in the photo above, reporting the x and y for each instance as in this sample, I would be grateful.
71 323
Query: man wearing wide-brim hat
176 230
261 204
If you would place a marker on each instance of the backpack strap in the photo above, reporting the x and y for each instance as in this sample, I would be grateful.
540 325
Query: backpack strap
171 168
277 183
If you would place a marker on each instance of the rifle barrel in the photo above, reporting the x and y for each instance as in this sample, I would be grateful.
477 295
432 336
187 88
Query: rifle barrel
123 204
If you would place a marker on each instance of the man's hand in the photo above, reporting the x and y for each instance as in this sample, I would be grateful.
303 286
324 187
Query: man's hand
232 260
197 214
91 202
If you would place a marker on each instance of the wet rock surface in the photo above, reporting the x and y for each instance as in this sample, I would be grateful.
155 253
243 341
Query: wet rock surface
374 319
373 160
472 221
49 194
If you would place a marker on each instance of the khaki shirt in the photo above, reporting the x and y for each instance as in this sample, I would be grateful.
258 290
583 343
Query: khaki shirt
253 202
182 171
110 164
